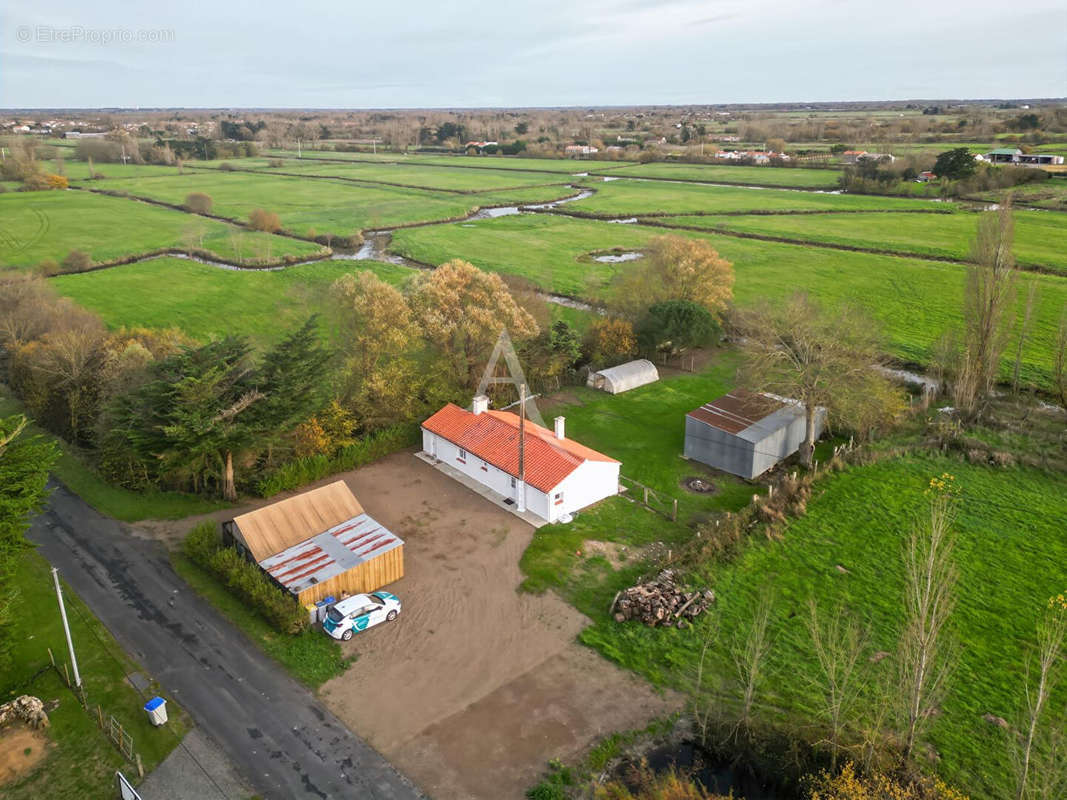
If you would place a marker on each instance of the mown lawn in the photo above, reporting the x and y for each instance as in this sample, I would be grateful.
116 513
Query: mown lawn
1011 555
206 301
915 300
1039 236
82 761
114 501
798 177
315 206
634 197
312 657
39 225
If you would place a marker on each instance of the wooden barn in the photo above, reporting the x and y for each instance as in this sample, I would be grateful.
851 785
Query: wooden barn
319 543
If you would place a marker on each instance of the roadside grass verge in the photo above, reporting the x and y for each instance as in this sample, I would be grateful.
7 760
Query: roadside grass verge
915 301
213 302
1011 556
81 761
1039 236
113 501
48 225
311 657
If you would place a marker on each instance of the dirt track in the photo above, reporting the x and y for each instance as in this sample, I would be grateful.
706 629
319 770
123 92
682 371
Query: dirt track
477 685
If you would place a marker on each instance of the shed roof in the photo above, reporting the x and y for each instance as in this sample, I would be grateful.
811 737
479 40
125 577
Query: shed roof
631 374
329 553
1005 151
493 436
280 525
751 416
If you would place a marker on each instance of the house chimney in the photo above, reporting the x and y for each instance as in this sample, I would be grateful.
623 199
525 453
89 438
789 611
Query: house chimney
480 404
559 428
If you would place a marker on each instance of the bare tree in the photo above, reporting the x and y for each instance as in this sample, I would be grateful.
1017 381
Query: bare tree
926 657
704 697
750 657
1059 359
838 643
1024 332
818 358
1051 631
988 301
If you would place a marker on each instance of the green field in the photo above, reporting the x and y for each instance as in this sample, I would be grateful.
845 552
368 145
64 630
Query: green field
206 301
915 300
633 197
1011 557
429 177
82 760
79 171
714 173
39 225
1050 194
1039 236
323 206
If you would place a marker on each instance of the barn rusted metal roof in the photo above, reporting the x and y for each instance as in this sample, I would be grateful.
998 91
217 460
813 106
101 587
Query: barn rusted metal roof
493 436
275 527
330 553
737 411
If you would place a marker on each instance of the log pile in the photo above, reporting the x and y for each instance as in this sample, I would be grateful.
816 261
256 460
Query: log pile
661 602
26 709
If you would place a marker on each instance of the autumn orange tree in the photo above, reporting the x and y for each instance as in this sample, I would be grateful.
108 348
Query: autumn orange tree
677 268
462 310
609 340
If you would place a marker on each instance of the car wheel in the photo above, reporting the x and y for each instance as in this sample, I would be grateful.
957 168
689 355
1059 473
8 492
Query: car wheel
347 635
391 615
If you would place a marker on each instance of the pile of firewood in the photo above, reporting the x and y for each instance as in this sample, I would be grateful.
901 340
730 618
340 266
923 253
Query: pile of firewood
26 709
661 602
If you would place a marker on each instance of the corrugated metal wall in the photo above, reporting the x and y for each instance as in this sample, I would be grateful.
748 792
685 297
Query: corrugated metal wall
718 449
366 577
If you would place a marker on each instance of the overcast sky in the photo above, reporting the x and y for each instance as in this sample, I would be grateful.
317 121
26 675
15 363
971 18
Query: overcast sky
365 53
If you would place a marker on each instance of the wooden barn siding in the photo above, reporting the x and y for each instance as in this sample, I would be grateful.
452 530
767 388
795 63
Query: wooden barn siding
367 577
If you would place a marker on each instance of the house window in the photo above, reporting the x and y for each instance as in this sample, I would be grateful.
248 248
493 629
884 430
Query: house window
557 498
461 456
512 483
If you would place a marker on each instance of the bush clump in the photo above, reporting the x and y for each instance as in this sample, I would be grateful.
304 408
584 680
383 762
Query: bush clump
244 579
261 220
198 203
304 470
76 261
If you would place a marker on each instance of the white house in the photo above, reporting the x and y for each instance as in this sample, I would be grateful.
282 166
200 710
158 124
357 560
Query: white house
561 475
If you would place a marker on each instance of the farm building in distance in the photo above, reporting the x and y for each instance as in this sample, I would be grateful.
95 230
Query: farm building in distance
746 433
319 543
624 377
561 476
1013 155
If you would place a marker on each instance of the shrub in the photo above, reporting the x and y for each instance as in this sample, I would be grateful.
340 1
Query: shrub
275 163
76 261
198 203
48 267
226 166
302 471
261 220
244 579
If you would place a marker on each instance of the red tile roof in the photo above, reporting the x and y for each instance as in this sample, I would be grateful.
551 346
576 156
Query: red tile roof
493 436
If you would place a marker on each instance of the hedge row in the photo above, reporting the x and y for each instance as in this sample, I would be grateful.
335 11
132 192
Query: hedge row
244 579
303 471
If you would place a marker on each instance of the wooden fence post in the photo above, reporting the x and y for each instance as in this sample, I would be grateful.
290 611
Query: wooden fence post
674 511
51 657
140 766
66 675
100 716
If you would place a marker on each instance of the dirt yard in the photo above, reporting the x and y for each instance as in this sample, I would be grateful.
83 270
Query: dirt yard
21 749
476 686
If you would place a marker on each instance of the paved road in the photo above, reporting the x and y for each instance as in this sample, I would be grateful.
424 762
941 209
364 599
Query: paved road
272 728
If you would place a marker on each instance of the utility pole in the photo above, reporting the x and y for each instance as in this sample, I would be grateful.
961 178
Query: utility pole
522 447
66 628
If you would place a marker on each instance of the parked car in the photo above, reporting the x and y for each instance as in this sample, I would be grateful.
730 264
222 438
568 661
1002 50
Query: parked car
359 612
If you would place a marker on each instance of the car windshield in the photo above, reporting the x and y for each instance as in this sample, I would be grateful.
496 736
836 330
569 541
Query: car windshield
377 600
334 615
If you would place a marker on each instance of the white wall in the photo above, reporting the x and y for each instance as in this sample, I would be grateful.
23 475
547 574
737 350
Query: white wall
590 482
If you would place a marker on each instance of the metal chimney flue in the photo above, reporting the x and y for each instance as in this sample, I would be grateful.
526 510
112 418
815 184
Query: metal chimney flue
480 404
560 429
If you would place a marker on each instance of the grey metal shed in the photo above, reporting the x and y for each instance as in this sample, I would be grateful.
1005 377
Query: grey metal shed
746 433
624 377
